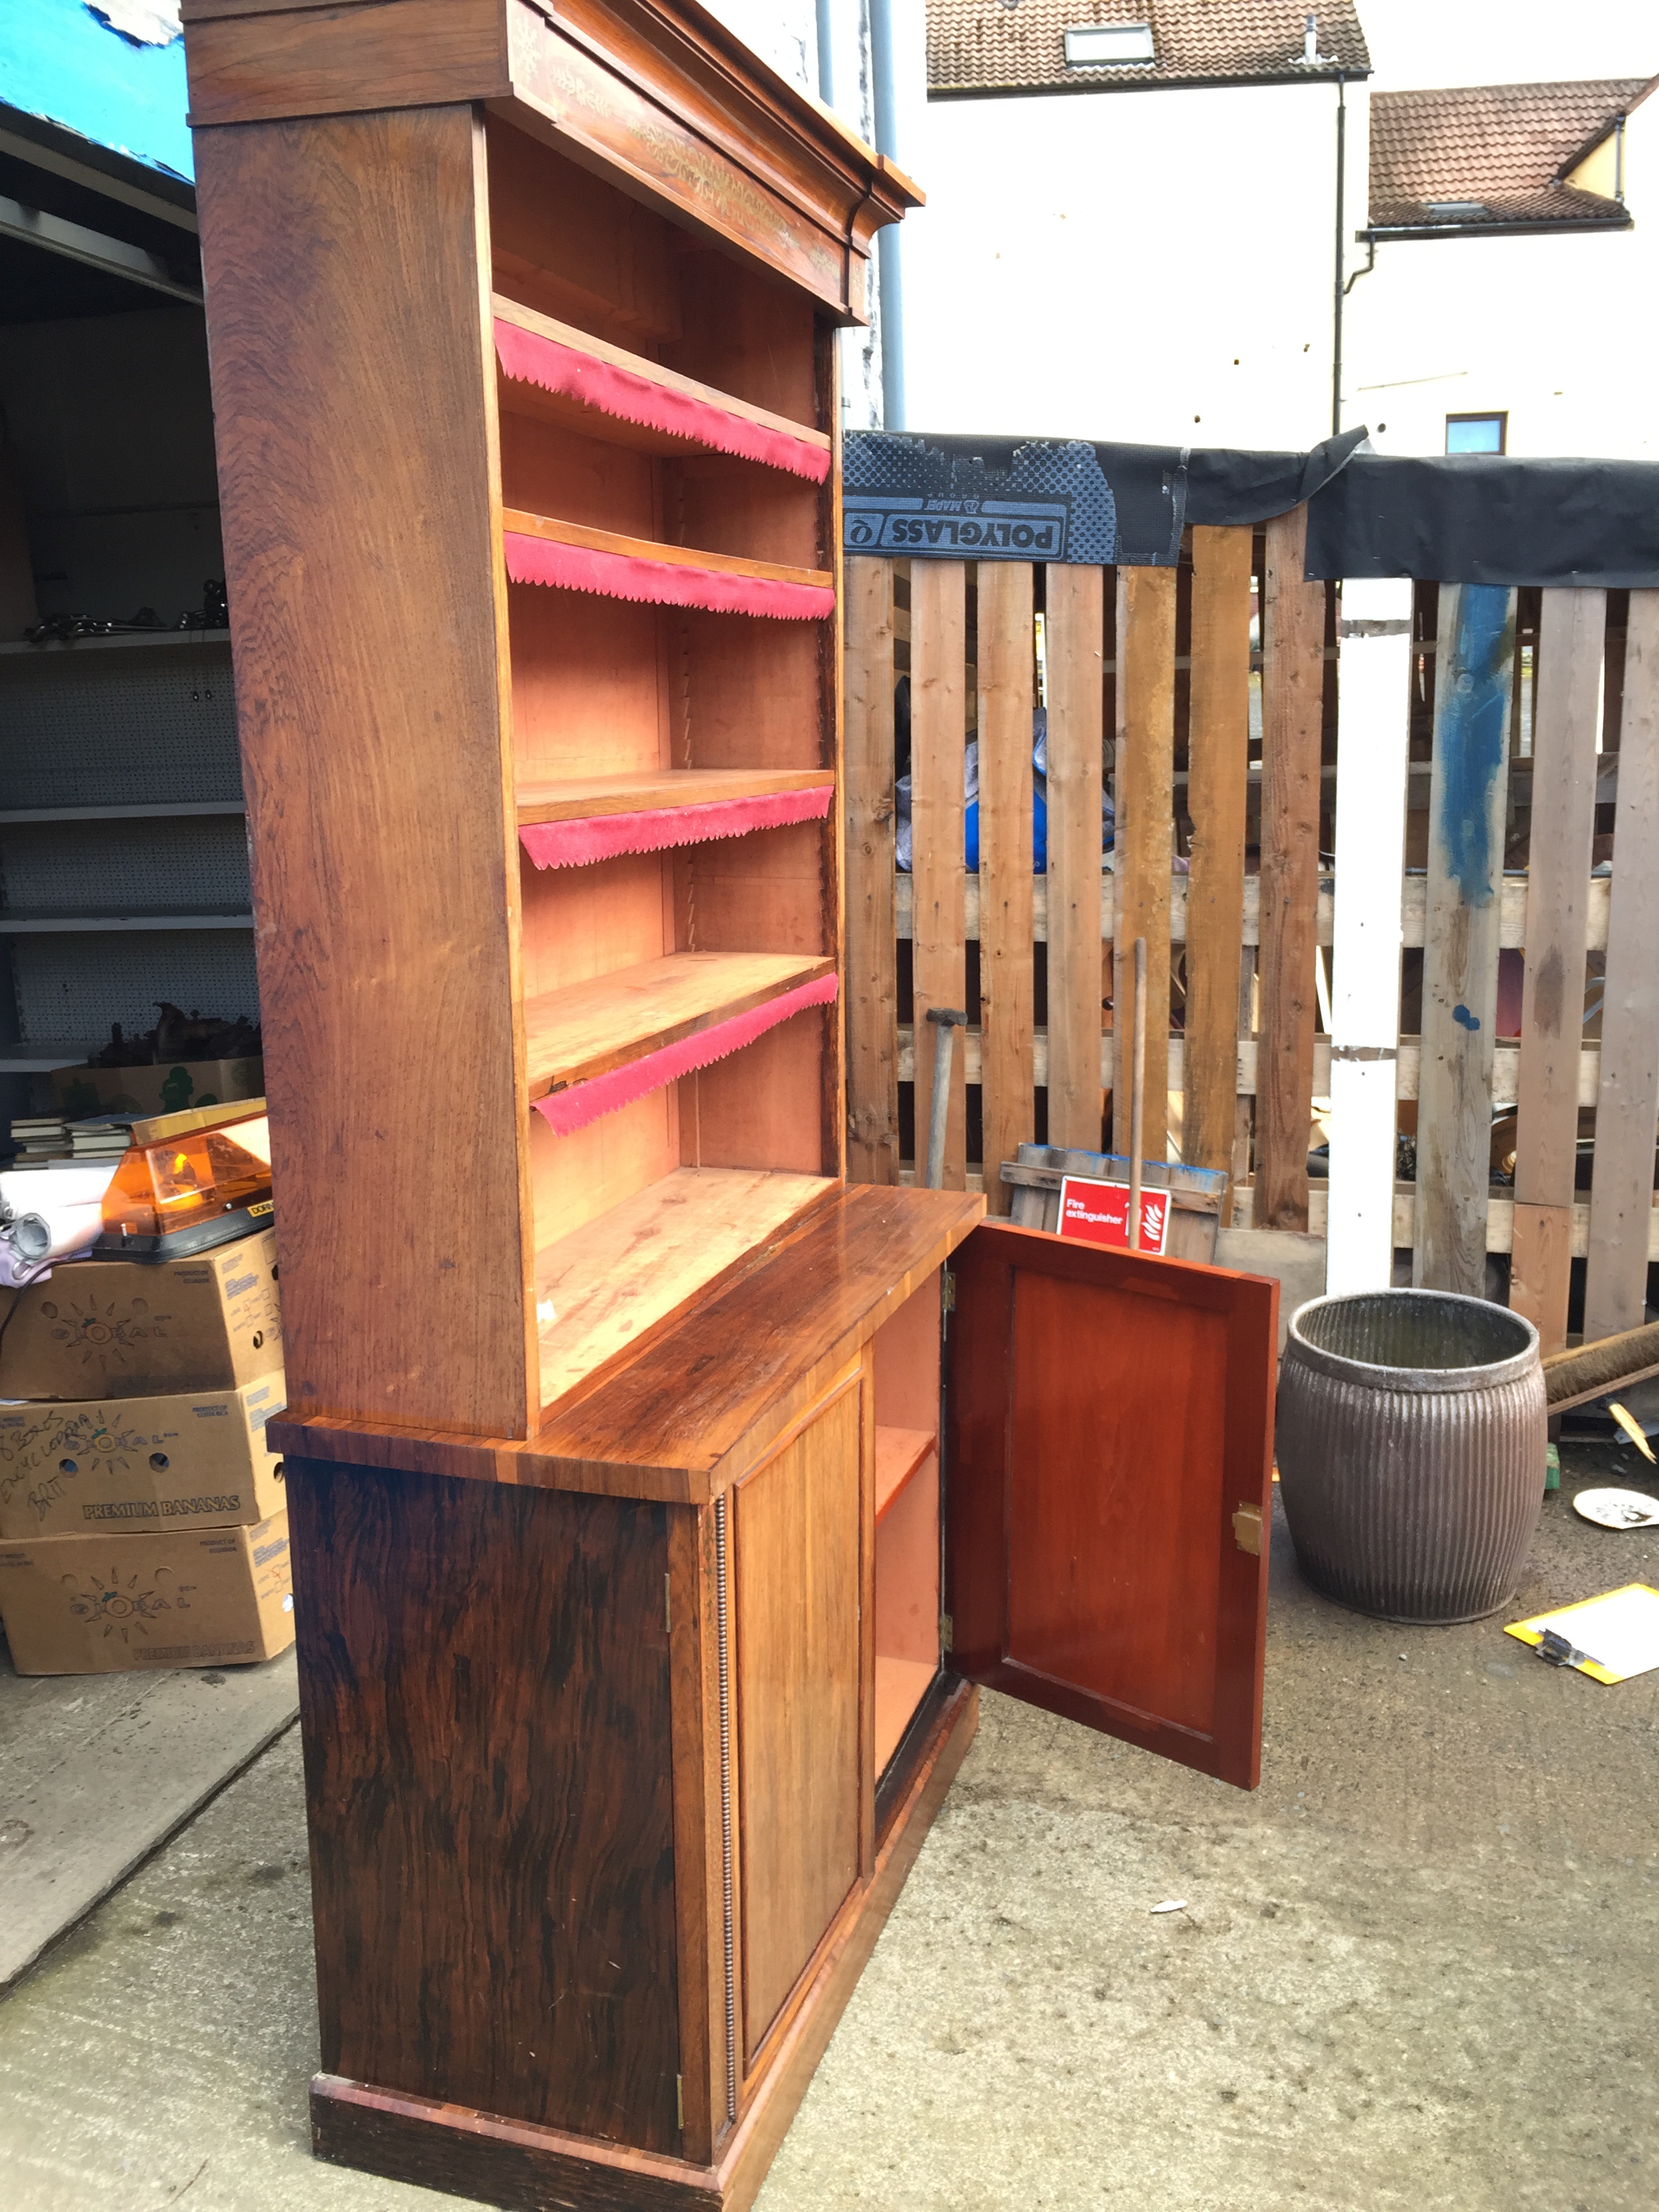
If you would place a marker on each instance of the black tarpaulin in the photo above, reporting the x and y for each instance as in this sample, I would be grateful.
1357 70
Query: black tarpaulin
1461 518
1038 498
1489 518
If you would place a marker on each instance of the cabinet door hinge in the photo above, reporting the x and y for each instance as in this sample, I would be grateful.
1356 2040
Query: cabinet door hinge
947 1289
668 1603
679 2102
1247 1530
947 1632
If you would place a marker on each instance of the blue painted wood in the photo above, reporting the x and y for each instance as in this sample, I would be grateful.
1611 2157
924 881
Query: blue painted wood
58 61
1475 665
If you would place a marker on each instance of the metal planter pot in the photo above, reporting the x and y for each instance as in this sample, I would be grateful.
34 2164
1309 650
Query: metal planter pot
1411 1440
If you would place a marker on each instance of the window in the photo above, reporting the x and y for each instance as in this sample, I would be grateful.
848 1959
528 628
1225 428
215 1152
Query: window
1477 434
1456 210
1109 45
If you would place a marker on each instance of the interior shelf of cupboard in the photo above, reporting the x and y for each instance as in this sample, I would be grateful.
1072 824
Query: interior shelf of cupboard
907 1512
588 1029
599 1289
900 1453
554 373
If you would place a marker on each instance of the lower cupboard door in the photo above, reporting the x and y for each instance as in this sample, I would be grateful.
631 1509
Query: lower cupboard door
796 1537
1110 1441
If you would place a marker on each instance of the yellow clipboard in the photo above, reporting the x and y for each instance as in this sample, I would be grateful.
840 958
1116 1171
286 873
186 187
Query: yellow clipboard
1608 1638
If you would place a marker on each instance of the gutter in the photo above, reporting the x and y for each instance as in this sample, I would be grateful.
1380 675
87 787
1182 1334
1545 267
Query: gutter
1346 72
1380 233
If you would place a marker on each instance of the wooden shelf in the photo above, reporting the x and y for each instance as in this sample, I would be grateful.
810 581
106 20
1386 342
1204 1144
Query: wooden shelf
583 796
521 396
599 1290
573 1035
554 532
899 1453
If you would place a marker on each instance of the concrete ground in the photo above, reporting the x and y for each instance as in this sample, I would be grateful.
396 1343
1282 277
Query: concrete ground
1416 1969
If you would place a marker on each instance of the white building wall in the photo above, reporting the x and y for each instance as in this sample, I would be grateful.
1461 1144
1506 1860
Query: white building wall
1560 332
1155 266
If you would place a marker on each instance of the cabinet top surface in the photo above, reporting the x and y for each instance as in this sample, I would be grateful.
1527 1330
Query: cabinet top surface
676 1420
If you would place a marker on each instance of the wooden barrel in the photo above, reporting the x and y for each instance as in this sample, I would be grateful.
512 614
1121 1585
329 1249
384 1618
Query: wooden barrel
1411 1441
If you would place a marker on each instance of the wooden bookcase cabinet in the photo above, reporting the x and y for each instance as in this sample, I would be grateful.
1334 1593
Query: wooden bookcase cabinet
525 299
642 1595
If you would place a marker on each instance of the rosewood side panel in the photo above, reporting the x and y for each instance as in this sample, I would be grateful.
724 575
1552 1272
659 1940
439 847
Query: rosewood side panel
347 276
484 1679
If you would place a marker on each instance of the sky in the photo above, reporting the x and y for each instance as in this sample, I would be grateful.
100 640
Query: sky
1417 43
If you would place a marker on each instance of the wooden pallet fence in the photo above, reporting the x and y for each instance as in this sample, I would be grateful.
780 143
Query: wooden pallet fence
1439 772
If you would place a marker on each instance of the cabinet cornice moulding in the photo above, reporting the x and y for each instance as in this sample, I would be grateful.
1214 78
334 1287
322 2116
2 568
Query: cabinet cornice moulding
654 93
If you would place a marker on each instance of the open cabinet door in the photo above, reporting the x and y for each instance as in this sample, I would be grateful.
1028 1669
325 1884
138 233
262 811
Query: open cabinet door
1109 1449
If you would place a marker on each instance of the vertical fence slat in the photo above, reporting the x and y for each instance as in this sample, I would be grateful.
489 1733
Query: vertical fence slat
1292 685
1627 1105
1217 784
1374 743
939 631
1475 659
872 995
1145 814
1566 696
1007 700
1074 625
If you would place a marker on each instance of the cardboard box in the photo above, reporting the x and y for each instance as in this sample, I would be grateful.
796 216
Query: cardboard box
102 1605
81 1093
195 1461
130 1329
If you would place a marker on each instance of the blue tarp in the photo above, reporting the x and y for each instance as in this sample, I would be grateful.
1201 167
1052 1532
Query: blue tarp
58 62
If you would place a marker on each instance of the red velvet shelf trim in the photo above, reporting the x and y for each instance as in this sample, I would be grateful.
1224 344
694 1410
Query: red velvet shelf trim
529 358
664 583
583 1102
578 843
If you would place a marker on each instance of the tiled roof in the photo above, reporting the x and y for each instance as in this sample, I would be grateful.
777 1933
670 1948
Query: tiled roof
1020 45
1502 149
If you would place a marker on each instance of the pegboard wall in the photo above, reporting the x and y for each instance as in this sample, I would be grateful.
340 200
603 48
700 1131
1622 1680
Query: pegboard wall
72 988
197 864
149 724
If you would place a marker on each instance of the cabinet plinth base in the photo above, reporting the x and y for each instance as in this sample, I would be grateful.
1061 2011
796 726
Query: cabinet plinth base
529 2168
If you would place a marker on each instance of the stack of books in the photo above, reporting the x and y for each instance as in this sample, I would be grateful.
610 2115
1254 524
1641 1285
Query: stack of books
40 1137
106 1140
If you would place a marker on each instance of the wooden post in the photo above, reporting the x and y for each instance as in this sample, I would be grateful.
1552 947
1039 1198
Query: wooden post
1075 625
1567 700
1621 1197
872 998
938 738
1006 704
1217 783
1292 685
1372 745
1146 818
1474 660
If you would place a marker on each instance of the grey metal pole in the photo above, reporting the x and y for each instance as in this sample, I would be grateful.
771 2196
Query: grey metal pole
889 291
946 1020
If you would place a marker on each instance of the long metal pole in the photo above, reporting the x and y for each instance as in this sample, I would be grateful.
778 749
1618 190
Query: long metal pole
1138 1094
889 285
1341 257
